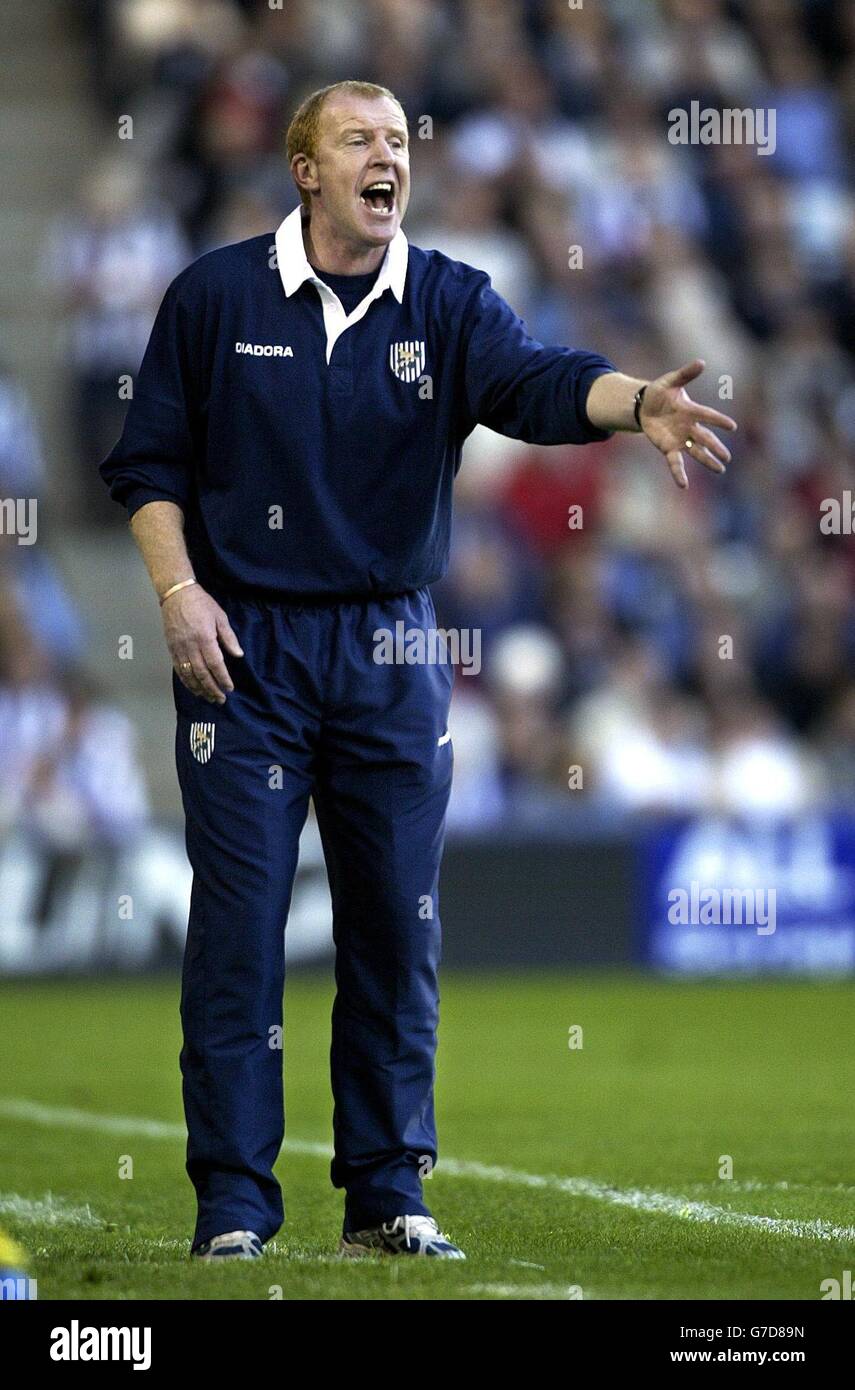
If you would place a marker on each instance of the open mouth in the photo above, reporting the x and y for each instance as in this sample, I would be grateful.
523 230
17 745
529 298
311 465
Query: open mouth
379 198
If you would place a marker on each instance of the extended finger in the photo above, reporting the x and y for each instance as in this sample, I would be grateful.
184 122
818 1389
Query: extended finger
712 417
711 442
681 375
677 467
702 455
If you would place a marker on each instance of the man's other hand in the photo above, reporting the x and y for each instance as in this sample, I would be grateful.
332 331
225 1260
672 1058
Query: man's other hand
198 631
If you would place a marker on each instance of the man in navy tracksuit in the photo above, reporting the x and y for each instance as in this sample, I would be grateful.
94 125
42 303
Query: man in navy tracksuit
287 463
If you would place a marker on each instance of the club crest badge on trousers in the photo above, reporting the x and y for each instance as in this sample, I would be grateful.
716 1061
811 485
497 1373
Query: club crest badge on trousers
202 741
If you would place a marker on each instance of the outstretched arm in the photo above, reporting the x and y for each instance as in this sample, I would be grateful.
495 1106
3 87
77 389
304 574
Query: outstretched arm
552 395
672 421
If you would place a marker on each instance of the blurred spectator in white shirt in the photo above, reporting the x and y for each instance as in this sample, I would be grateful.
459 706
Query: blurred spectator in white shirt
760 768
69 770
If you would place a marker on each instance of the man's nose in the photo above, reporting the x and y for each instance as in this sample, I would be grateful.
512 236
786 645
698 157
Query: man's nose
383 154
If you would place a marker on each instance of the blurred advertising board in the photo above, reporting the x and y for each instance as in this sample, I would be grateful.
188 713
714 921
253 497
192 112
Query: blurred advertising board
694 897
735 896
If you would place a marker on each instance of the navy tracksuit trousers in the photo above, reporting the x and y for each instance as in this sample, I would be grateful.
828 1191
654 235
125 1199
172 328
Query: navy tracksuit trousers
313 714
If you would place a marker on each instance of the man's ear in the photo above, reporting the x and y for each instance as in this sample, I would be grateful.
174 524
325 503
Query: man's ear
304 172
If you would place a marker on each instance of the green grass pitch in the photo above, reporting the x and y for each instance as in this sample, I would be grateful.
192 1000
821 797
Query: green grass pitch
669 1079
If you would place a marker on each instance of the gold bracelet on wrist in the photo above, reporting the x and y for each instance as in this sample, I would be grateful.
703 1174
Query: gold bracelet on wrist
175 587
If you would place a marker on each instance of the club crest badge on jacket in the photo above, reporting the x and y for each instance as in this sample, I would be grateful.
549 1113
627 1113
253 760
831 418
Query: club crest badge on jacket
407 360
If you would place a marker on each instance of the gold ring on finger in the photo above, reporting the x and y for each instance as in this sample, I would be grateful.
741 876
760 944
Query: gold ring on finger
690 443
187 666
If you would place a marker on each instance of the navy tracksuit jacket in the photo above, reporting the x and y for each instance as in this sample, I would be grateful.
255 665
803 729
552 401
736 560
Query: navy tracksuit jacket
313 454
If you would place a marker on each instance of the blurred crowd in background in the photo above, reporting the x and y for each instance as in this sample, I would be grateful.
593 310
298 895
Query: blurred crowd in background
545 160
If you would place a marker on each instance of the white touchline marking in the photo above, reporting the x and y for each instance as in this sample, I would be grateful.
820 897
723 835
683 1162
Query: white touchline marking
47 1210
551 1291
838 1189
58 1116
658 1203
636 1199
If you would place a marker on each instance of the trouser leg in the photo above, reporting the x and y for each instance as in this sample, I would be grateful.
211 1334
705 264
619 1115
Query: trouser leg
245 800
384 777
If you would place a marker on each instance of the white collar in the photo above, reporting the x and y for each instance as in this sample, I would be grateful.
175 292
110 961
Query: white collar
294 268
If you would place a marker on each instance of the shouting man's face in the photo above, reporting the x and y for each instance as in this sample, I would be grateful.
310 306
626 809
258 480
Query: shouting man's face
359 179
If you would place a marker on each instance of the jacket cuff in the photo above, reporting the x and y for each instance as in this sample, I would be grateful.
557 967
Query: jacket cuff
138 496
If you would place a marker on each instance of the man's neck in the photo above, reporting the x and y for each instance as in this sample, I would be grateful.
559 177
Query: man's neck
327 252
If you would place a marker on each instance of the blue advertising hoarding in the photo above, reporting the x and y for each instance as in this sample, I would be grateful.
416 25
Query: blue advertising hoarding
725 895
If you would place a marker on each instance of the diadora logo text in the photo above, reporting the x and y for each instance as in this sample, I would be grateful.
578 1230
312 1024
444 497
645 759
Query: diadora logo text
264 350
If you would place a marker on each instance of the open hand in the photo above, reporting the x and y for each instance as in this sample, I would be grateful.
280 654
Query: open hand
677 425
